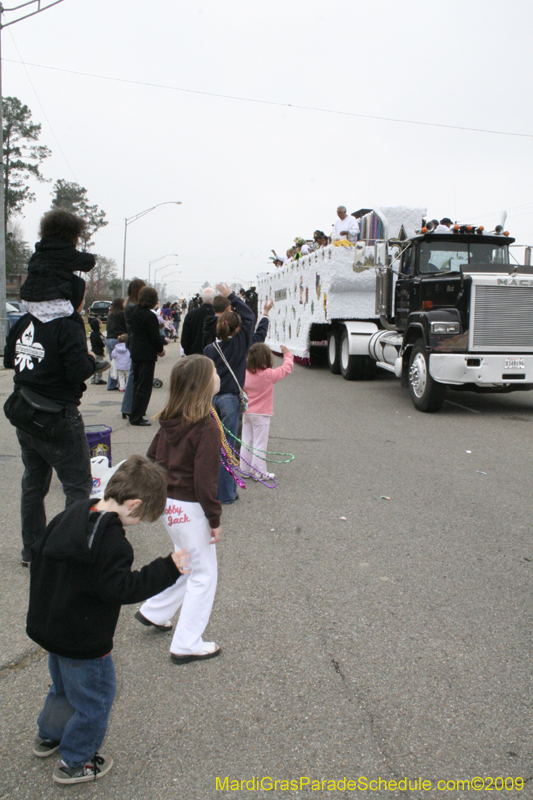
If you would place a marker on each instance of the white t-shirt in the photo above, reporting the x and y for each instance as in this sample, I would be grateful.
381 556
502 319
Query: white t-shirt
349 224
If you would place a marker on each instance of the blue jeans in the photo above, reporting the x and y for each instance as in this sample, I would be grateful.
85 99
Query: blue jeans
71 459
112 383
127 399
227 408
76 710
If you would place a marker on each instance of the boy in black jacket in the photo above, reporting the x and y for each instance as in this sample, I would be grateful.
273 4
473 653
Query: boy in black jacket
80 577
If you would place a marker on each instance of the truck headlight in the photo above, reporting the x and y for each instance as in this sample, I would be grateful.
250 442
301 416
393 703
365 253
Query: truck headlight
445 327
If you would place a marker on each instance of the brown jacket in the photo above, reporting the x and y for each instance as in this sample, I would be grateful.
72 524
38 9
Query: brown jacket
190 454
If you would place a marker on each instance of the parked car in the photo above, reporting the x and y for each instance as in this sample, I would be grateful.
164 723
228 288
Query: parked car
17 305
100 309
13 314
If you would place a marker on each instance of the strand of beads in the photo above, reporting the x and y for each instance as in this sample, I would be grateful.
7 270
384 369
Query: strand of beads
228 456
254 470
227 449
257 451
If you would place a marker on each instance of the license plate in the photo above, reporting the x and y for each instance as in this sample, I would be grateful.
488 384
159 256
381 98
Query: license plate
514 363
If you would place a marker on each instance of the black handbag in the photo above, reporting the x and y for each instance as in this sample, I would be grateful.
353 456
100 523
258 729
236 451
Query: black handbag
39 416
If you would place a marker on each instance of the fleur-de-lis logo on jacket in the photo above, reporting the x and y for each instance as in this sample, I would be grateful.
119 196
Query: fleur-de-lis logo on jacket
26 350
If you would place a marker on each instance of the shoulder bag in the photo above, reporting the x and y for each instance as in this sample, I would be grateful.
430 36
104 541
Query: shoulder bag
39 416
243 397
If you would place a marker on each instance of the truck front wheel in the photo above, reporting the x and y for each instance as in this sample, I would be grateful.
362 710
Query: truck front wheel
426 394
334 353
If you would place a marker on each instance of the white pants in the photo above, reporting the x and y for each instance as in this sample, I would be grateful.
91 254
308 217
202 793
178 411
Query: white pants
123 375
188 527
255 428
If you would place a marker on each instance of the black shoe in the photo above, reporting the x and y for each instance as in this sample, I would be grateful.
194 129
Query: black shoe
141 423
142 619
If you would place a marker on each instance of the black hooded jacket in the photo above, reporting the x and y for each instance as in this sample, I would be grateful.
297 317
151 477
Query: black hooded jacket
51 268
50 358
96 338
81 576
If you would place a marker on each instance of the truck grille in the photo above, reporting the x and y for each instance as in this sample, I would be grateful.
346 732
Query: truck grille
503 319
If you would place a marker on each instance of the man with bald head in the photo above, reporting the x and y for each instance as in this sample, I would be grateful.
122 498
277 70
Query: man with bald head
346 227
193 324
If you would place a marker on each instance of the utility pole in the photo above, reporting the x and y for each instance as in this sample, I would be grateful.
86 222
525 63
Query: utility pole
42 5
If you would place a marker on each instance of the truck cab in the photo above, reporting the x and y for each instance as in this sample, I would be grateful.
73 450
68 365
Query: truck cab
465 314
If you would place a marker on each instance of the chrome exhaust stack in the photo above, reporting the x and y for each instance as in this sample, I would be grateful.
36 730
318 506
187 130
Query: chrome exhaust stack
501 222
383 285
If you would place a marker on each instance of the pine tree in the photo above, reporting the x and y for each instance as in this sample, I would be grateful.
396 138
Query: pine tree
73 197
22 156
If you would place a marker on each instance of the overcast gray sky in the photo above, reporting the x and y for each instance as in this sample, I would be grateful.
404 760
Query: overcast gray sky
253 175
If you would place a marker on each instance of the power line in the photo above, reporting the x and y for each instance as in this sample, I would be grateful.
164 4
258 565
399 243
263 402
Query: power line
42 108
273 102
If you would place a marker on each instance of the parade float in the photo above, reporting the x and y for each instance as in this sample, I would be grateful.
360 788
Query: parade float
439 309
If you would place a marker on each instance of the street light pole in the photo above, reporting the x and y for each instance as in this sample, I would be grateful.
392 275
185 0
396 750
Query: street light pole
159 259
3 313
135 217
157 269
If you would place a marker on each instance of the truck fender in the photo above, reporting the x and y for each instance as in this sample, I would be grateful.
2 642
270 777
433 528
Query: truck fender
359 335
414 332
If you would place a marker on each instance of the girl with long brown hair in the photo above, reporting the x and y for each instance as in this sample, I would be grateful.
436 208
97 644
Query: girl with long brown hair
188 446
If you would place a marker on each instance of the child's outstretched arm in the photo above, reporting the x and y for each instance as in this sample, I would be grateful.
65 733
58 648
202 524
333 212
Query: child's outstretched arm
288 362
182 561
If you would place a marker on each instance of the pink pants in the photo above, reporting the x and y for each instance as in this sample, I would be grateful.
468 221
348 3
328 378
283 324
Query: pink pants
255 428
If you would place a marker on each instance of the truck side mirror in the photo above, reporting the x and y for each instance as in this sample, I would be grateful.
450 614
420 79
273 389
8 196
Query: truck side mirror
381 254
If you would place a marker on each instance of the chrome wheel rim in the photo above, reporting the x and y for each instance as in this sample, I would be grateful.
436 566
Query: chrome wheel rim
418 375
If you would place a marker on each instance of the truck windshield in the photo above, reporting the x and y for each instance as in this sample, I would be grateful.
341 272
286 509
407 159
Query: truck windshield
450 256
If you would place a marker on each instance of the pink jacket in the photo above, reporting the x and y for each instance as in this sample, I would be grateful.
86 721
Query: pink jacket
260 386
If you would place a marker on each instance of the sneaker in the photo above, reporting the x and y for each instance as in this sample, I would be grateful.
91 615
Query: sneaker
97 767
44 747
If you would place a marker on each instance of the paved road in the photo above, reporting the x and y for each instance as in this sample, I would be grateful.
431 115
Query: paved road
395 642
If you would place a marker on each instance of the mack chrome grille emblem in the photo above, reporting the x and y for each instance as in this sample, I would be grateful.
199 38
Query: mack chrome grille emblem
514 282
